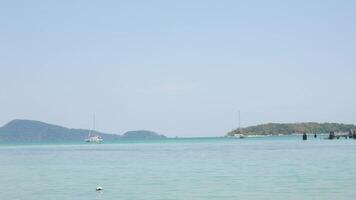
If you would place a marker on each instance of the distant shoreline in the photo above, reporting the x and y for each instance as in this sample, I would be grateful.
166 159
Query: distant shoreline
292 128
20 130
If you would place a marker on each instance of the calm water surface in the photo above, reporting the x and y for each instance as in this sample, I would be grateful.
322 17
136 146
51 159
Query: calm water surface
186 169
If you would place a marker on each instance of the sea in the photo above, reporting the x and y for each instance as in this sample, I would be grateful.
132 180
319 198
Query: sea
275 167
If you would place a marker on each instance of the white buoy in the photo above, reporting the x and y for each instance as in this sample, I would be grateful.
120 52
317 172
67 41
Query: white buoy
99 188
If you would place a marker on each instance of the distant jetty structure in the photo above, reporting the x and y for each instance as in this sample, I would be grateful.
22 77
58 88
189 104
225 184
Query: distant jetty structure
350 134
332 135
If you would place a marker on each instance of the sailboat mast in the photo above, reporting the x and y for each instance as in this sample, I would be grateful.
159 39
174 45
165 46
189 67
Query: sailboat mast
94 122
239 122
93 128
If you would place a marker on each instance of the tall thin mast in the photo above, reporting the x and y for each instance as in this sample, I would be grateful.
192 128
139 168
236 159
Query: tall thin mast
239 122
93 128
94 122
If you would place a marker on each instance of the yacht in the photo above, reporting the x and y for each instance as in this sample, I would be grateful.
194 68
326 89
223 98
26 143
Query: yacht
92 138
238 133
96 139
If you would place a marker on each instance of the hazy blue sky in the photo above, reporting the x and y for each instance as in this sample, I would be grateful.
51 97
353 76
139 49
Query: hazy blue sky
177 67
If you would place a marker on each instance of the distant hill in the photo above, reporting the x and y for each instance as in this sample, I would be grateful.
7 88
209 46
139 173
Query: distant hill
142 134
289 128
35 131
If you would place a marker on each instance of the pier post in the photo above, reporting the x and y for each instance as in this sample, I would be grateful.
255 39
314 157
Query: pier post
305 137
331 135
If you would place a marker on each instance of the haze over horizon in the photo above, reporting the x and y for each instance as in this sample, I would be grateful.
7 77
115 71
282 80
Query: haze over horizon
178 68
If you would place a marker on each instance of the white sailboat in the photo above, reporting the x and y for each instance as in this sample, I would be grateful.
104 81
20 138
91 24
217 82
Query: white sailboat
239 134
91 137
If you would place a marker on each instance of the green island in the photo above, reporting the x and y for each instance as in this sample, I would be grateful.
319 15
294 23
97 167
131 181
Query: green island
290 128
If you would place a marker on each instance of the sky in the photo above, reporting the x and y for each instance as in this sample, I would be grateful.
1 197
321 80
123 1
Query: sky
180 68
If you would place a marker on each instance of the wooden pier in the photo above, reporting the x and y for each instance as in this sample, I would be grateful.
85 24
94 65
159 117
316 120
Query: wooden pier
332 135
350 134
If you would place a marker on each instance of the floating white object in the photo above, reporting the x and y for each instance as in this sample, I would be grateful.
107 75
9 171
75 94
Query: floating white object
99 188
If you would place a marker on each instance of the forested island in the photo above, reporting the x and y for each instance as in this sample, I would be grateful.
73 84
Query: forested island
290 128
36 131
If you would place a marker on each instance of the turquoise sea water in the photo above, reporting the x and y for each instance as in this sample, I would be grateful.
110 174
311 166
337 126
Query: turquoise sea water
204 168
